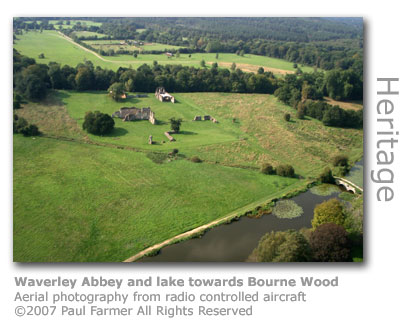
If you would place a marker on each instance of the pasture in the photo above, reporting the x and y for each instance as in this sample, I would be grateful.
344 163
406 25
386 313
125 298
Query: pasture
81 202
58 49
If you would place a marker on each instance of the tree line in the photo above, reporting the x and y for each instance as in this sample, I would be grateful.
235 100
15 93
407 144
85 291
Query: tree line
32 80
319 42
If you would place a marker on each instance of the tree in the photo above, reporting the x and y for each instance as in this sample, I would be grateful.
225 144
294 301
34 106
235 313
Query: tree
330 211
340 160
117 91
84 79
233 66
135 54
285 170
282 246
203 64
329 243
267 168
300 110
30 130
41 56
217 55
175 124
98 123
287 117
326 176
260 70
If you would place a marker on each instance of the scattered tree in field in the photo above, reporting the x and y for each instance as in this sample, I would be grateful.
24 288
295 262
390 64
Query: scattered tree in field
98 123
326 176
116 91
30 130
20 125
260 70
330 211
41 56
295 66
287 117
135 54
329 243
203 64
175 124
233 66
300 110
285 170
217 55
282 246
267 168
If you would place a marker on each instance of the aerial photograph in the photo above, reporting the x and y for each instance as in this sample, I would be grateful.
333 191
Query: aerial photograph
188 139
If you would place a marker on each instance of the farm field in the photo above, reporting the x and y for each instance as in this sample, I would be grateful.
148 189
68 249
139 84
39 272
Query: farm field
79 202
58 49
89 34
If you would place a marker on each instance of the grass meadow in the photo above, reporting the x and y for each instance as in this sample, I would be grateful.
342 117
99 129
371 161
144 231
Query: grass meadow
258 134
58 49
80 202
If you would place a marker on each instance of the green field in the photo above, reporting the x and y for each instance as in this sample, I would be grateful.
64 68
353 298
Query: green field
89 34
259 134
77 202
58 49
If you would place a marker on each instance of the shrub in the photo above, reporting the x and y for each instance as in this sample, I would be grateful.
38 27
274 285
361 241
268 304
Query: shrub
175 124
30 130
267 168
98 123
195 159
326 176
330 243
340 161
285 170
287 117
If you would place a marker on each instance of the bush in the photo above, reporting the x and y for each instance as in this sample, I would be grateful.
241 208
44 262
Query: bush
195 159
175 124
30 130
287 117
340 161
330 243
98 123
267 168
326 176
285 170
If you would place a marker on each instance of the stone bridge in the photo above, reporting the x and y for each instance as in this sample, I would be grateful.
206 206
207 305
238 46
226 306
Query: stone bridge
348 185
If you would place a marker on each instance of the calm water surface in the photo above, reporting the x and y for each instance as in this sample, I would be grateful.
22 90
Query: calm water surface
234 242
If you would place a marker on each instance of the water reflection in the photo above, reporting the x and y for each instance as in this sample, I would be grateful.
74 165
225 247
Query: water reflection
234 242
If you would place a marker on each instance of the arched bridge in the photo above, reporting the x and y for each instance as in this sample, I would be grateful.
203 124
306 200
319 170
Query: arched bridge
348 185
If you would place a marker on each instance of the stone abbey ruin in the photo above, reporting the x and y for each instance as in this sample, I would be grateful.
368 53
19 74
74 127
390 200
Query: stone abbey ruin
205 118
163 96
133 114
